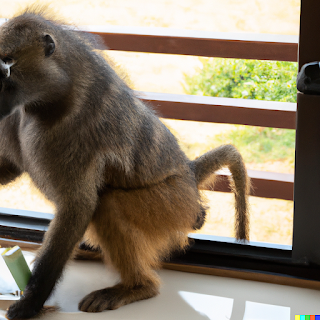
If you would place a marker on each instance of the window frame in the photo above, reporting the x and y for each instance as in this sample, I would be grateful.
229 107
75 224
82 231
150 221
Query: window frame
296 265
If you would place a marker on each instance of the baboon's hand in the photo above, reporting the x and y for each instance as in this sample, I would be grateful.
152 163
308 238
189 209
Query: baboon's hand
23 309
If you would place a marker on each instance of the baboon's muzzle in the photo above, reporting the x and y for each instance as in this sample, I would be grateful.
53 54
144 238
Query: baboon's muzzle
5 106
4 70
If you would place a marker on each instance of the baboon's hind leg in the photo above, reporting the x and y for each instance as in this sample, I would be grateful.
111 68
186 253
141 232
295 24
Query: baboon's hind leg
116 296
124 246
138 281
137 228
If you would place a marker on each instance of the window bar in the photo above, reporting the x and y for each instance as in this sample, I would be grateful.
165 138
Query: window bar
306 241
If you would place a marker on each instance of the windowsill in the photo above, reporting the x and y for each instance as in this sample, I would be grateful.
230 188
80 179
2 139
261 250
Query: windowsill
183 296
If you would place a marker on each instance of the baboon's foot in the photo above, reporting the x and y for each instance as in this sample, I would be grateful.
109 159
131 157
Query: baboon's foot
87 252
79 254
115 297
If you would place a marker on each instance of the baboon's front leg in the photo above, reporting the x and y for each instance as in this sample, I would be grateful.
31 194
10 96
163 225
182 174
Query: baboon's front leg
66 229
10 155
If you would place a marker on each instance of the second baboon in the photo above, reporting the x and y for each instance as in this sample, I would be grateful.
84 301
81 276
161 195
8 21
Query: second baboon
115 173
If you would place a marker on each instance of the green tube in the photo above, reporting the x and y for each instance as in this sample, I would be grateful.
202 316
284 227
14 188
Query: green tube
17 265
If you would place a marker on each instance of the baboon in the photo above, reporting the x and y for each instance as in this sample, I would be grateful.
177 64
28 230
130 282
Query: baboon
117 176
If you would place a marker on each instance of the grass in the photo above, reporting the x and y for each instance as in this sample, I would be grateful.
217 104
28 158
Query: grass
260 145
257 145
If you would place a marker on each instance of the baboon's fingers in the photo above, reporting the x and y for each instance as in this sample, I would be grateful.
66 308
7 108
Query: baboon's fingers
115 297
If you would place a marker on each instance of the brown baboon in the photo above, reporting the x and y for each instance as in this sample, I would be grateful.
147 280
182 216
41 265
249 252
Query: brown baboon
115 173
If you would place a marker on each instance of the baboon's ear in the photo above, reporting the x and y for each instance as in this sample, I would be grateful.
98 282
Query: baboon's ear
49 45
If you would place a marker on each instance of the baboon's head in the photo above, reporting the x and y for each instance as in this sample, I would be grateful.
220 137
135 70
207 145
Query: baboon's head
32 67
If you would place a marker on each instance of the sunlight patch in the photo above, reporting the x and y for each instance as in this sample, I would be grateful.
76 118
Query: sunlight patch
261 311
214 307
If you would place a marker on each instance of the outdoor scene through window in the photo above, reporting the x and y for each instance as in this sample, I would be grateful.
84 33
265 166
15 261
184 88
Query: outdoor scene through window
266 149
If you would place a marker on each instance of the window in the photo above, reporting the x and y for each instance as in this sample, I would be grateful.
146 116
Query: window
211 254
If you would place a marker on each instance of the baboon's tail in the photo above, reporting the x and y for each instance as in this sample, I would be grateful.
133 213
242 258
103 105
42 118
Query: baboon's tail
227 156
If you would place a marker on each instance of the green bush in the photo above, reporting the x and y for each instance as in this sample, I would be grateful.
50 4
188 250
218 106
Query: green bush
246 79
249 79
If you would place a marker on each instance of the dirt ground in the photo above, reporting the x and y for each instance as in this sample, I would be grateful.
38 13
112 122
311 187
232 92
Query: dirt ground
271 219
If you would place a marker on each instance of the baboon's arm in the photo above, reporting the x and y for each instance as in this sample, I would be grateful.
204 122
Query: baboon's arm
66 229
8 100
10 155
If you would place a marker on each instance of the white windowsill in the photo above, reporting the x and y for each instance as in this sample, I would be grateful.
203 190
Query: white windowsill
183 296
